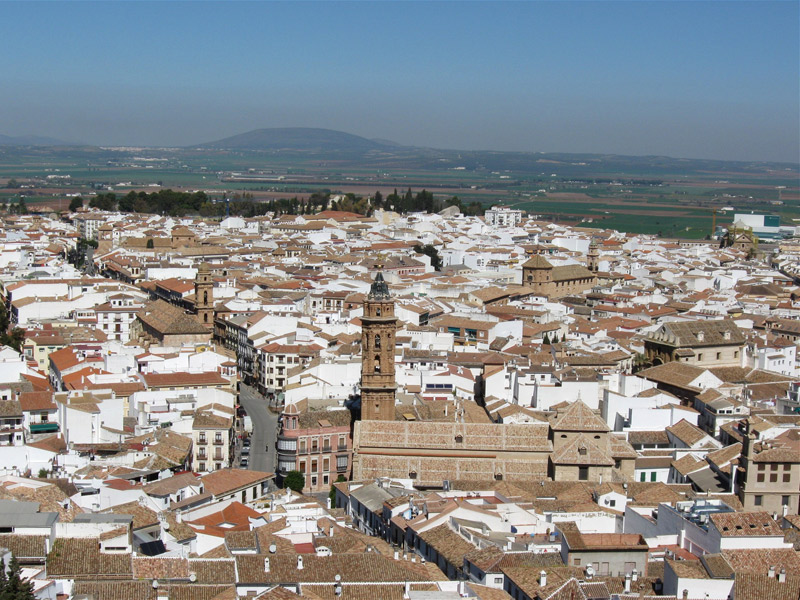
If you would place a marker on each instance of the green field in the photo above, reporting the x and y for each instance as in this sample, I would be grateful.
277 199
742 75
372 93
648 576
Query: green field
675 198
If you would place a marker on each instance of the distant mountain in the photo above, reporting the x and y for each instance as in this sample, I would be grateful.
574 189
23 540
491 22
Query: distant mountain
303 139
32 140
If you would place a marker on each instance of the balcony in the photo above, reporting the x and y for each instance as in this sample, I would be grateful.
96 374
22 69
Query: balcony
326 448
341 447
219 442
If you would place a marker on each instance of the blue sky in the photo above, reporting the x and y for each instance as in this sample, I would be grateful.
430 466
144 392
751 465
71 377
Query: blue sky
689 79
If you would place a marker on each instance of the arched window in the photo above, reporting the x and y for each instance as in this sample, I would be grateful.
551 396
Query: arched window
377 341
205 317
378 311
377 364
205 297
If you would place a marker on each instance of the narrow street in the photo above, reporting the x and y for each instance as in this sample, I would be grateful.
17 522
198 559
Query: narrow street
262 446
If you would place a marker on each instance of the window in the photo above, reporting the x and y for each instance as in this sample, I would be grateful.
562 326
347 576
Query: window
719 355
341 462
498 581
699 357
735 354
217 466
784 500
302 468
760 478
787 477
787 466
201 466
757 500
576 562
643 477
583 473
653 476
612 503
762 467
773 467
773 478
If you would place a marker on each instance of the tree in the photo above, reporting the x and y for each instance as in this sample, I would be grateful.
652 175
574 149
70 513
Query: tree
294 481
546 339
42 473
430 250
14 587
332 493
75 204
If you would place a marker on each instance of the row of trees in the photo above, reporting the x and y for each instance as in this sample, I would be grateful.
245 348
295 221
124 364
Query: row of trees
168 202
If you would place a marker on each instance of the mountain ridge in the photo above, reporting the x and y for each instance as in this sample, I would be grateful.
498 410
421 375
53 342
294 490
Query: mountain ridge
297 139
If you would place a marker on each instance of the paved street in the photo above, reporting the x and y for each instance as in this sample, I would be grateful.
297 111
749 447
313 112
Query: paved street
262 442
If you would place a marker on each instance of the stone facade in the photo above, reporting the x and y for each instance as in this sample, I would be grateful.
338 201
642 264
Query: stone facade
556 282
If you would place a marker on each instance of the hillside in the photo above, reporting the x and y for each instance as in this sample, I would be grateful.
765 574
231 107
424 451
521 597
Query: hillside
303 139
31 140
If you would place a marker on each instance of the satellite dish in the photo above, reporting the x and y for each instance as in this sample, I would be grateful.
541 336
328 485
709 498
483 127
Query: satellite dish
193 577
337 578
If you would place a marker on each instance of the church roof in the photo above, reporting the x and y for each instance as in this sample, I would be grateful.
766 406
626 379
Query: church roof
537 261
379 289
578 417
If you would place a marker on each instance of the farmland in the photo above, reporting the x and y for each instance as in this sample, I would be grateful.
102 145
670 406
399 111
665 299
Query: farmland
674 198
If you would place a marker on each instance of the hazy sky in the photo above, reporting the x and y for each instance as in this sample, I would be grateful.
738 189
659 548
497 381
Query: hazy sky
688 79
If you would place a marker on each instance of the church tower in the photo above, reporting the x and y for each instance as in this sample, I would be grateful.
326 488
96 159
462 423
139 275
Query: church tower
378 326
537 273
593 257
204 295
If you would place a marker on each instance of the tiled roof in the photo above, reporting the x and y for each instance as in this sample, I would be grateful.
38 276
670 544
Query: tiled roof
448 544
228 480
25 546
578 417
367 567
167 319
741 524
80 558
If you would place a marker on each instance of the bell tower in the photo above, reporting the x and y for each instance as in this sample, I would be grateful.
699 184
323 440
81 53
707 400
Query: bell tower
593 257
378 327
204 295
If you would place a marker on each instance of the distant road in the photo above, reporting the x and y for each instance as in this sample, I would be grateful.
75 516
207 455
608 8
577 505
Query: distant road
262 442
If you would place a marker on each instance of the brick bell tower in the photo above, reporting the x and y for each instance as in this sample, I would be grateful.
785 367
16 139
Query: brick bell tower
204 295
378 327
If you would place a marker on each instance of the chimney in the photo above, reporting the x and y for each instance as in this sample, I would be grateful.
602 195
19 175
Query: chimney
542 578
627 583
771 572
635 576
266 565
782 576
299 563
407 590
330 531
685 594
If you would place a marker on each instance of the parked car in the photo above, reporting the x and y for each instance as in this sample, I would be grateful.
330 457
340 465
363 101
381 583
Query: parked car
243 462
